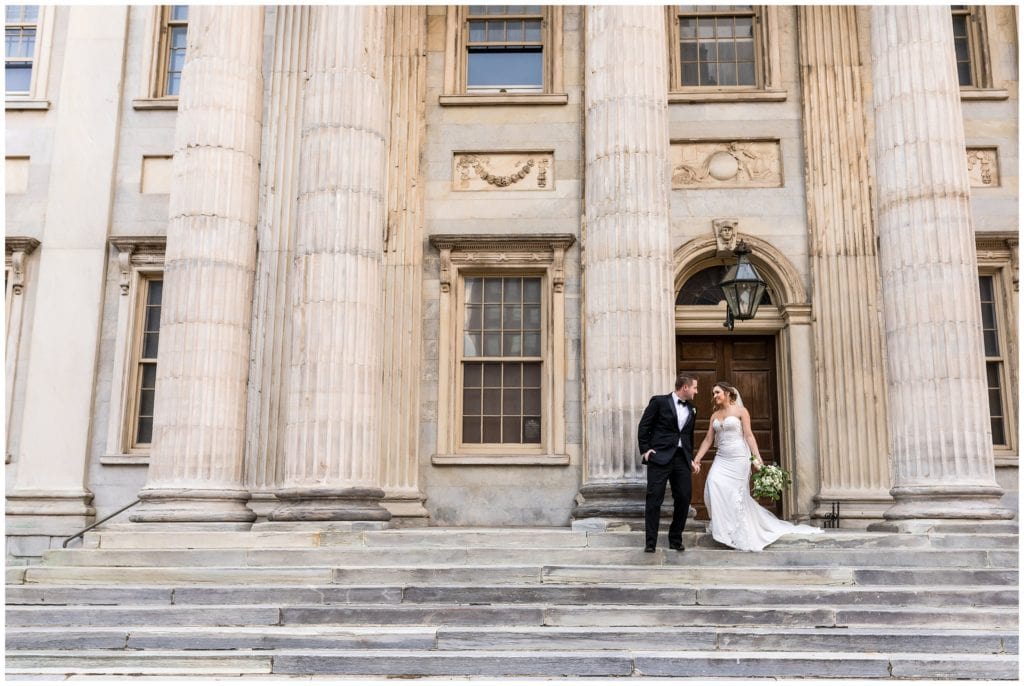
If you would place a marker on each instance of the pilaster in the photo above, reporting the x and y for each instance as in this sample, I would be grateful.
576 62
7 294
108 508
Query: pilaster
853 446
628 308
403 262
49 495
332 449
943 467
196 467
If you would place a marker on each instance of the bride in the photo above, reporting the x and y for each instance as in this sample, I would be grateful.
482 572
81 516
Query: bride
736 519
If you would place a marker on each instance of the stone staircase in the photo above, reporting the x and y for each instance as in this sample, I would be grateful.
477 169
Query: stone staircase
516 602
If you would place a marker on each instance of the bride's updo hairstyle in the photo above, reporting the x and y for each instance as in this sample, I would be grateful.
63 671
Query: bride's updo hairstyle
729 389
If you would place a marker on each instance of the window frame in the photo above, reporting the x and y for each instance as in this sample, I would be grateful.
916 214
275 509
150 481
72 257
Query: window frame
146 277
35 97
767 60
139 259
469 256
153 94
456 91
997 259
984 82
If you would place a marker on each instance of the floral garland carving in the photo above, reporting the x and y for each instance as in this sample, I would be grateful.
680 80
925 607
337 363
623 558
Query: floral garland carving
477 163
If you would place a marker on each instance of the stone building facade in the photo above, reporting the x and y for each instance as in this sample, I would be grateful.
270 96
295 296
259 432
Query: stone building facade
295 266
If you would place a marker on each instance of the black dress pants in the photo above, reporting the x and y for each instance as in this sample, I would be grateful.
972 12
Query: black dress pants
677 473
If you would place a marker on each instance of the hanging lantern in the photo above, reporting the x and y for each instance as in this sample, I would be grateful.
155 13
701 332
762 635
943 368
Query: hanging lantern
743 287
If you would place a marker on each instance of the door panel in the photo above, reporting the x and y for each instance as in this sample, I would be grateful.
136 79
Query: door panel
748 362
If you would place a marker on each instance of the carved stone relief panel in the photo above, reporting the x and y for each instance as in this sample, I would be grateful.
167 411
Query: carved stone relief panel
726 164
983 167
504 171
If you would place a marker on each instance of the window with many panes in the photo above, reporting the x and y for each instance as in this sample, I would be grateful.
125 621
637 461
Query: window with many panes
174 33
993 332
20 29
502 361
505 48
146 346
717 46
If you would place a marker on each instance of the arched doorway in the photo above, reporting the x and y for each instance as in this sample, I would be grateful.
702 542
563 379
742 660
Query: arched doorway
766 358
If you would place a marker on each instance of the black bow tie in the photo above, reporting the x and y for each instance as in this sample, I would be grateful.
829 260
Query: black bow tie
684 403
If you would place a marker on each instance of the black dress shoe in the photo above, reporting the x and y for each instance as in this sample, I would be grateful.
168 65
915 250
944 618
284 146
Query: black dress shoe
677 546
648 548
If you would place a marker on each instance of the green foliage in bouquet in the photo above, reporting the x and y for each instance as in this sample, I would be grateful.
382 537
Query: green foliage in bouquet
770 481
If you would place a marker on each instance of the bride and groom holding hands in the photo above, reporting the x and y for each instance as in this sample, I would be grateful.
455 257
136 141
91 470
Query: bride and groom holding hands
665 438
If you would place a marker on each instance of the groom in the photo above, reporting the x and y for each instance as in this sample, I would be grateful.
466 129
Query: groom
665 436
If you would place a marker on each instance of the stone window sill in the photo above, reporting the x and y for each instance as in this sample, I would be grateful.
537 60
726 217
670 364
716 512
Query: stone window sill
125 459
712 96
984 94
501 460
503 99
1007 460
155 103
26 104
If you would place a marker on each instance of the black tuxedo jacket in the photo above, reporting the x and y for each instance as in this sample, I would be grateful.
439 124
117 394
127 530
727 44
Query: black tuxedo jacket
659 429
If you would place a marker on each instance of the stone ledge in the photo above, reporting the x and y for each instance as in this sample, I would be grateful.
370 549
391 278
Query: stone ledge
14 104
984 94
503 99
677 97
501 460
155 103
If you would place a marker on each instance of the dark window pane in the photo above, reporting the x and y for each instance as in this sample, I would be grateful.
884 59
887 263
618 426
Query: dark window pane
492 375
510 427
995 402
708 51
531 345
513 316
511 401
145 432
745 51
727 51
515 30
688 51
690 74
492 290
179 12
156 292
478 9
492 401
470 429
532 29
726 74
474 317
471 375
531 290
531 429
474 291
476 31
687 28
153 318
992 373
511 68
963 51
991 344
513 290
471 345
744 27
492 429
531 375
150 345
496 31
149 375
531 317
705 28
985 285
998 432
471 401
746 74
492 317
963 72
146 403
531 401
513 375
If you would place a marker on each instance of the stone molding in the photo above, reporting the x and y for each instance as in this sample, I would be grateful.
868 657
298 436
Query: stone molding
17 248
510 171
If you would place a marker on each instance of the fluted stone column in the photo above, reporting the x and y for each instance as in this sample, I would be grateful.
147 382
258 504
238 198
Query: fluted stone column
853 445
938 412
627 257
196 467
332 437
276 232
403 263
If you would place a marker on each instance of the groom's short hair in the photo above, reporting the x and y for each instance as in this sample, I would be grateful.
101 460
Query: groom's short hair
684 380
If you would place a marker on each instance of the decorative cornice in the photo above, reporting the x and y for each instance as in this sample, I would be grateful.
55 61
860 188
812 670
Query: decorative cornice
137 250
505 250
22 244
17 247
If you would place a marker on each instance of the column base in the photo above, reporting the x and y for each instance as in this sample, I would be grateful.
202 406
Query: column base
262 503
944 505
623 503
330 505
193 505
406 505
48 513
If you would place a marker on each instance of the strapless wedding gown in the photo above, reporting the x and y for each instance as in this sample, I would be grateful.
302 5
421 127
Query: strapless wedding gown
736 518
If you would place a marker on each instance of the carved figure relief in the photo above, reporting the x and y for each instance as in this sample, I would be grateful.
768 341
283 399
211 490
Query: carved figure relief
983 167
502 171
726 164
725 235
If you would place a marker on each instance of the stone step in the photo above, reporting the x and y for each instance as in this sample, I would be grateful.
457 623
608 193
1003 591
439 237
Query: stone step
556 594
502 574
413 663
517 538
514 638
975 559
425 614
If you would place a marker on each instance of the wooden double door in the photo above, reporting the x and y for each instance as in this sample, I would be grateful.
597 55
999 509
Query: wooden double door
748 363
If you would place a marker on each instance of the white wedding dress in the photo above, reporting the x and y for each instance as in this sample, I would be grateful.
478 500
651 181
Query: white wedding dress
736 518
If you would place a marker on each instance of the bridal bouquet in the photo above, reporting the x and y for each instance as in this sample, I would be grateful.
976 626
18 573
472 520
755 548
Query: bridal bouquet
770 480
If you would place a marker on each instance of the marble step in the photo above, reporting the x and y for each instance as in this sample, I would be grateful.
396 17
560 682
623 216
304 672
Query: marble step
518 538
518 574
557 594
513 638
413 663
975 559
513 614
